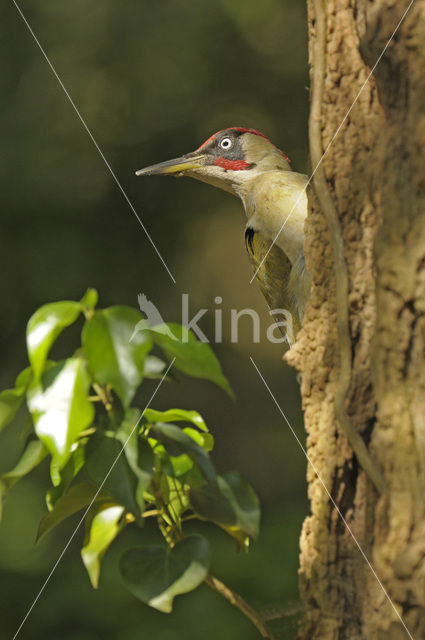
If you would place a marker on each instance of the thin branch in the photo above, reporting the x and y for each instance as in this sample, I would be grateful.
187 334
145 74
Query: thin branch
104 397
279 612
241 604
341 274
149 514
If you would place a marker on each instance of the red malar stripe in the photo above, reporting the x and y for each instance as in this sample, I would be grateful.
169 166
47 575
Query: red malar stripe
231 165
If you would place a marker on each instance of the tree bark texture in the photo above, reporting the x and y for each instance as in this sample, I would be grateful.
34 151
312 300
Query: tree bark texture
375 172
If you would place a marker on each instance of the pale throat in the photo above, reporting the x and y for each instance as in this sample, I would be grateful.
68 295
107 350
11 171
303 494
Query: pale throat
271 199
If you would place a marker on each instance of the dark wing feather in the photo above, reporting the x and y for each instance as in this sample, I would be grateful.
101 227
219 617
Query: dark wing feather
273 276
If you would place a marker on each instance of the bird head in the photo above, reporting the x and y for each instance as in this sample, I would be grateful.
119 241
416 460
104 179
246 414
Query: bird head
227 159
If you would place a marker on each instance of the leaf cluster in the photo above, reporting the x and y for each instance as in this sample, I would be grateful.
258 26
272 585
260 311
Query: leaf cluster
118 463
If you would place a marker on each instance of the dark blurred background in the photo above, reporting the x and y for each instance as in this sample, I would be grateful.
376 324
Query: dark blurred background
152 79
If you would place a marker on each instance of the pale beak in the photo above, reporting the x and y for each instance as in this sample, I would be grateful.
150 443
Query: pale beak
188 162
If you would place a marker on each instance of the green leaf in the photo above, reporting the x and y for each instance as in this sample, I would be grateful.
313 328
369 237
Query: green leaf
66 476
33 454
174 466
154 367
192 357
89 299
106 462
176 442
103 528
180 465
156 575
114 359
234 505
138 452
79 496
205 440
55 472
194 478
11 399
44 327
210 504
176 415
23 380
244 501
60 407
178 499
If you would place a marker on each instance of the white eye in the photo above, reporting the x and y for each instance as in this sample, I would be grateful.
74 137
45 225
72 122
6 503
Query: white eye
226 143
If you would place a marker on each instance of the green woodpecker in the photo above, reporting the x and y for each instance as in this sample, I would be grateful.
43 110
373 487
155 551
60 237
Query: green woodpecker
244 162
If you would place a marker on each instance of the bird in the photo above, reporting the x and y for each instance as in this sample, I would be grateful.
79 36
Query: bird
245 163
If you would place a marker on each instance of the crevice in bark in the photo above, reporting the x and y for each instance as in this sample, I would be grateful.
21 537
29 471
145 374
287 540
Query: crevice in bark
409 307
344 492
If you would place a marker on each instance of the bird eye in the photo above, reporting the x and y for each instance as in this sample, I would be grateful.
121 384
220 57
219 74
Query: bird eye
226 143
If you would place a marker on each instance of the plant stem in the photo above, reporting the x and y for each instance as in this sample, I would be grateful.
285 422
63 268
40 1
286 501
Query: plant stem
106 400
278 612
148 514
240 603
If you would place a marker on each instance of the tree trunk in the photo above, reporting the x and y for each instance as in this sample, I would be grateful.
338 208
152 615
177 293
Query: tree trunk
375 174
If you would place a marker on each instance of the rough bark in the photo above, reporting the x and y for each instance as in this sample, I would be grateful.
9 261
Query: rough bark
375 171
